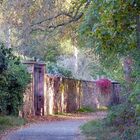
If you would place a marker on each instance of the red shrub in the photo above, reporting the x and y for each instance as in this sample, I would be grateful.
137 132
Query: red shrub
104 85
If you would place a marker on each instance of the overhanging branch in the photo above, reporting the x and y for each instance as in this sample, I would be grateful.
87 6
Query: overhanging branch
72 16
51 18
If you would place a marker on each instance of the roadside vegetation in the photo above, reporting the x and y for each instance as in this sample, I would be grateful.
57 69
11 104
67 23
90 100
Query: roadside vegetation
86 110
119 125
13 81
84 39
7 122
97 130
113 29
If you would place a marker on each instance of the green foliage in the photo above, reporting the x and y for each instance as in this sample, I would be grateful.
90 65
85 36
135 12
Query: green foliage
134 98
13 81
98 130
131 133
86 109
52 52
111 25
54 69
121 115
10 121
67 47
46 51
124 118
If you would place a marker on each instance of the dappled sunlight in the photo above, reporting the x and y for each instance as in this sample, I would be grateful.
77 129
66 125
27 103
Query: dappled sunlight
50 100
66 95
62 102
71 58
69 95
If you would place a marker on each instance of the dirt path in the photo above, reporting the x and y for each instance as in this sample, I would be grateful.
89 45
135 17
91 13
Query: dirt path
55 130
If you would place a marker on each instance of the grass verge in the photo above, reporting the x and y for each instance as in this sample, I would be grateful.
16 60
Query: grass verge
97 130
90 110
86 110
7 122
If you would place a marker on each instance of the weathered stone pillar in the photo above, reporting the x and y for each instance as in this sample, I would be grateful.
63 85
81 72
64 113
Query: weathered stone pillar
34 103
28 101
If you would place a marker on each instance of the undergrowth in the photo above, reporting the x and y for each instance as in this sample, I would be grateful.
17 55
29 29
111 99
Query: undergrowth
97 130
86 110
123 119
121 123
7 122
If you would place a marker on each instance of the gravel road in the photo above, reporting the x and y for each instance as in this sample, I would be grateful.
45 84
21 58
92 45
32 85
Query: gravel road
55 130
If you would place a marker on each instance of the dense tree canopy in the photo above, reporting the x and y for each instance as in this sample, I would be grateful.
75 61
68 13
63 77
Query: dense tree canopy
112 24
85 39
41 28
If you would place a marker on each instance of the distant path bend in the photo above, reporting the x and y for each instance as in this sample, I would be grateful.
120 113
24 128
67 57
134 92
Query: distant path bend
55 130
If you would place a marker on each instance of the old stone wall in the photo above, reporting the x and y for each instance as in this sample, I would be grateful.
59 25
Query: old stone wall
28 99
51 94
28 106
87 94
33 101
69 95
62 95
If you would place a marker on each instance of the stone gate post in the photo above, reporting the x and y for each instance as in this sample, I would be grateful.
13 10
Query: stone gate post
34 95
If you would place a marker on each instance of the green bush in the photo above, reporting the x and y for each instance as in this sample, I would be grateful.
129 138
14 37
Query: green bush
125 119
122 114
97 130
126 116
13 81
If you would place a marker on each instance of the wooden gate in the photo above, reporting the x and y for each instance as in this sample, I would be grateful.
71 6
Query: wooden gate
38 90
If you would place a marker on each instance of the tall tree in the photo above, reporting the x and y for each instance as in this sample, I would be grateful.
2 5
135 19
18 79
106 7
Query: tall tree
27 19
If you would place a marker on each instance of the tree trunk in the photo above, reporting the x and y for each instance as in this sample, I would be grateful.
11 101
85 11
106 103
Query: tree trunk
127 66
8 36
138 30
76 60
127 63
26 30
